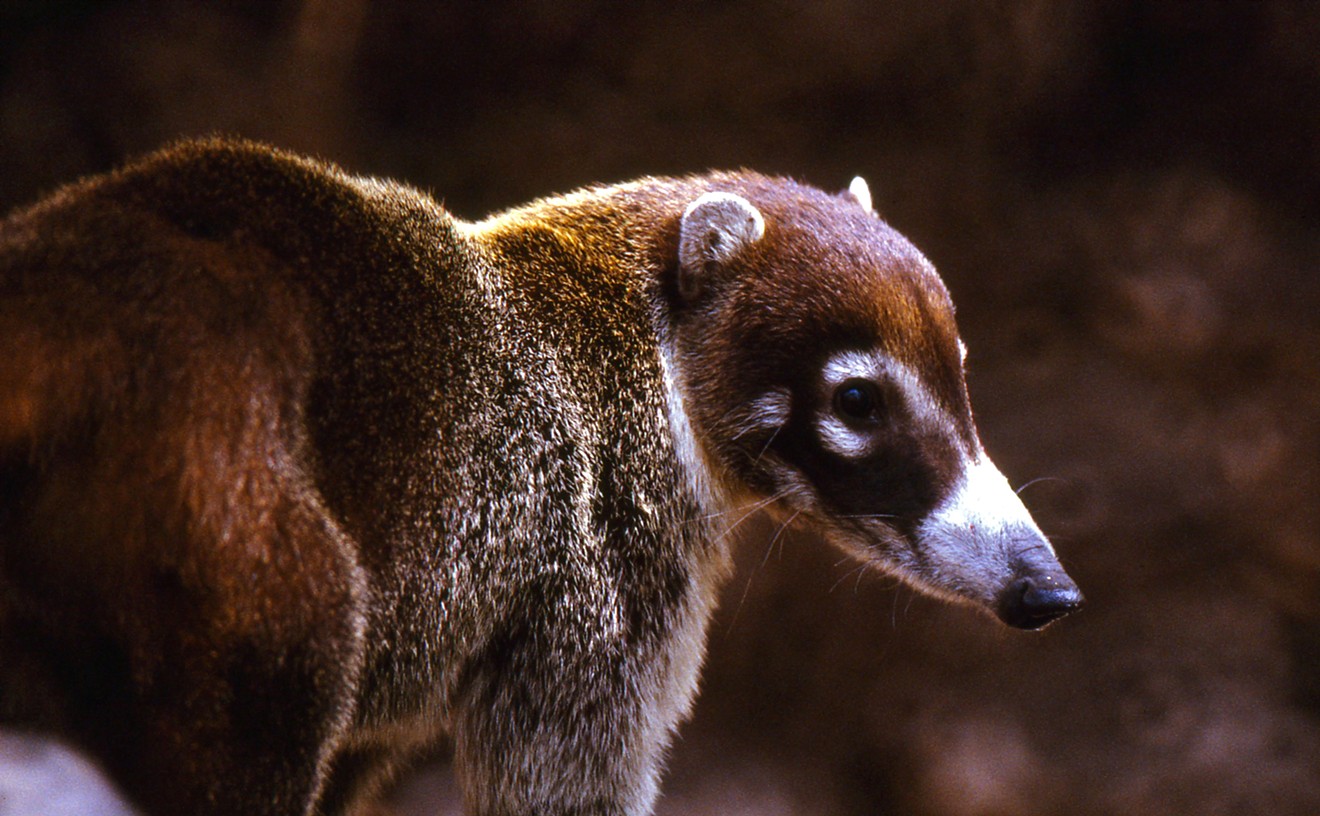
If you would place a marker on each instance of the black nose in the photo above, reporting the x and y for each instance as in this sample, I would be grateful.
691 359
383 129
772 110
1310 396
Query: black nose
1032 601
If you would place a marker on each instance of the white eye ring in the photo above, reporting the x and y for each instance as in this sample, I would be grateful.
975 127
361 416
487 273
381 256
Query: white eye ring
902 390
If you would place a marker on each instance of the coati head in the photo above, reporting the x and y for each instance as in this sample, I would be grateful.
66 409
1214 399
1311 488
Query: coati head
826 375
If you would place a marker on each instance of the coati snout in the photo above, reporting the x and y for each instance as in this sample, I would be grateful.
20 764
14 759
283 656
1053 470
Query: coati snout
300 473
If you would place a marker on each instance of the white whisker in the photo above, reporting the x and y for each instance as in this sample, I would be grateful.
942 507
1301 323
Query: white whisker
751 512
767 444
747 588
1037 480
778 533
855 571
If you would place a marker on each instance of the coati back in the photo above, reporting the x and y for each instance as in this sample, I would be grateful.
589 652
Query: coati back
299 473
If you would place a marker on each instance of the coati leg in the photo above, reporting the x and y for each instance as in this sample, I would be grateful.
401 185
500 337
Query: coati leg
555 729
360 772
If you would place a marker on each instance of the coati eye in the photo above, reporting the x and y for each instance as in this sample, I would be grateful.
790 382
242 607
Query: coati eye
857 400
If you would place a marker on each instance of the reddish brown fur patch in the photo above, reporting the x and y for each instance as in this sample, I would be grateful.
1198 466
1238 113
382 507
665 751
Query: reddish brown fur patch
166 566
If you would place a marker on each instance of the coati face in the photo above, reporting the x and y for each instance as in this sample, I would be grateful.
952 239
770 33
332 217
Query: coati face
825 376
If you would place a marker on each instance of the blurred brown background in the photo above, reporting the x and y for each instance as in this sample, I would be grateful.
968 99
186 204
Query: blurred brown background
1122 196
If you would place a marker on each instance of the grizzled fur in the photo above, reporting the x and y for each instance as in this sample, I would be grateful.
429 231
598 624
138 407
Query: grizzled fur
299 473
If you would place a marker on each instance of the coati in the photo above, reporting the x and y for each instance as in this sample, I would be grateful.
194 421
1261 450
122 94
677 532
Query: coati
299 473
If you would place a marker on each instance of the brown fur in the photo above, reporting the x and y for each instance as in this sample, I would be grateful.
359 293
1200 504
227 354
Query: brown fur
298 472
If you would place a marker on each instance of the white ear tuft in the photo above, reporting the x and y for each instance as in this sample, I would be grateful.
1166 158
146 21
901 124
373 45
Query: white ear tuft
715 228
861 191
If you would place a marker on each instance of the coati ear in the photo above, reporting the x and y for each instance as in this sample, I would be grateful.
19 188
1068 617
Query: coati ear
716 227
861 193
